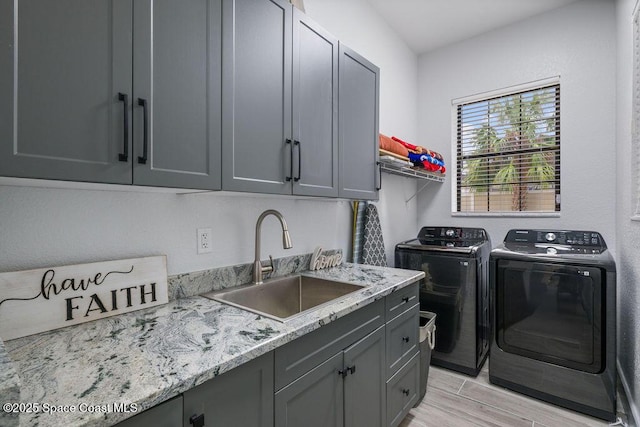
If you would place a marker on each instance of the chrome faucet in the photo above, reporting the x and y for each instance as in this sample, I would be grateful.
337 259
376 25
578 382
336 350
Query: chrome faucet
258 269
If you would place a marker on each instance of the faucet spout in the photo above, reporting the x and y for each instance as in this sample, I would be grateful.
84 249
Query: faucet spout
258 269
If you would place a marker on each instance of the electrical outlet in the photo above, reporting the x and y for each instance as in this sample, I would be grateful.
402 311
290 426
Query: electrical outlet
204 240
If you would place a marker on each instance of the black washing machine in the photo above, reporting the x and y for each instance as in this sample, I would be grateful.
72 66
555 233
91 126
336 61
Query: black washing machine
455 287
554 315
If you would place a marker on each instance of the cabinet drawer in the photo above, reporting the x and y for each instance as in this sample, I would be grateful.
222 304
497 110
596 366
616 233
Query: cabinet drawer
402 392
166 414
399 301
303 354
402 339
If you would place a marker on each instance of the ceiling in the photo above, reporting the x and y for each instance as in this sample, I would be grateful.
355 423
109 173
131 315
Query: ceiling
426 25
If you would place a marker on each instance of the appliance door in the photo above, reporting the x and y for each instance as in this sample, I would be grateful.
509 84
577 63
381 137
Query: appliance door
551 312
449 290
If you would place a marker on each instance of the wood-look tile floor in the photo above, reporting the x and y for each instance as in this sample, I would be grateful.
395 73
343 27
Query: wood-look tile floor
457 400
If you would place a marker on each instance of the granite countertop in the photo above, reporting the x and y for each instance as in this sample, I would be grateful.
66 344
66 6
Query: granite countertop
148 356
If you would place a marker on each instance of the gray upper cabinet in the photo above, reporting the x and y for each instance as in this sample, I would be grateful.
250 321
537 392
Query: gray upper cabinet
358 126
71 107
280 101
62 65
256 93
315 109
176 107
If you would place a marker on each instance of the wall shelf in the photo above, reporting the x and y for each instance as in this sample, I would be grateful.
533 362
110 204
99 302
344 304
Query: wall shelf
399 168
406 169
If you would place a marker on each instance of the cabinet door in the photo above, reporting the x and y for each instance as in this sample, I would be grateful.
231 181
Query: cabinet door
62 66
402 391
315 109
256 93
166 414
402 339
313 400
240 397
177 93
358 126
364 386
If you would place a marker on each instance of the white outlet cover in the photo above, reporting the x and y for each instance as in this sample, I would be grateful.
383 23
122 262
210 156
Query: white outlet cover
204 241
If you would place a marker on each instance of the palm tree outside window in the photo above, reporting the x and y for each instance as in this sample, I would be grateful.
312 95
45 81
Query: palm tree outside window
508 152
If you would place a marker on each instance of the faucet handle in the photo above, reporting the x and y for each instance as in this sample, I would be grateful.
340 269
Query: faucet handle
269 268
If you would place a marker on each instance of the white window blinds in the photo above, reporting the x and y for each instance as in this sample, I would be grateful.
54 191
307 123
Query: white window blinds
635 135
508 152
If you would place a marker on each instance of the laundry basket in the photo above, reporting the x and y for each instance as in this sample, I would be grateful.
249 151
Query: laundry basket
427 343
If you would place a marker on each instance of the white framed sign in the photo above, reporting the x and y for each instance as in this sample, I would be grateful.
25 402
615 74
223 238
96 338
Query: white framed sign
34 301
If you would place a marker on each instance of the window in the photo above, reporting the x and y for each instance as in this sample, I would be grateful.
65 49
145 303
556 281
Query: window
635 136
508 152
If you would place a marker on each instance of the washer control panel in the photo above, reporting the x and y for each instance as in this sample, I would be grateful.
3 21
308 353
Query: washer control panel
453 233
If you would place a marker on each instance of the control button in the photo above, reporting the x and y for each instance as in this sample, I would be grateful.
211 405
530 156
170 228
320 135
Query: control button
552 251
450 233
550 237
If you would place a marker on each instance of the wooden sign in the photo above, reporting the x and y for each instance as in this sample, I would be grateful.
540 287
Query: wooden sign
50 298
320 261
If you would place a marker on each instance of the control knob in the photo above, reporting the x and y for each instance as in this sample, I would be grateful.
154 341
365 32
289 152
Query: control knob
550 237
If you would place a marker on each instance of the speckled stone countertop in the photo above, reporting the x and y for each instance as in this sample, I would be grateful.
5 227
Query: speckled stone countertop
148 356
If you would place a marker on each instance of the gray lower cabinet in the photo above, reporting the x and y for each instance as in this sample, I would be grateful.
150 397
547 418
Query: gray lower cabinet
402 391
360 370
111 91
166 414
402 369
280 95
242 397
359 174
315 399
347 390
364 386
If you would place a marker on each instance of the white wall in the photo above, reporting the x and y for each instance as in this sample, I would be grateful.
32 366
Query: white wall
577 43
44 227
628 231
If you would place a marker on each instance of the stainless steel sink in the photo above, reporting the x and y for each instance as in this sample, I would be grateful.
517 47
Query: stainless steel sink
284 298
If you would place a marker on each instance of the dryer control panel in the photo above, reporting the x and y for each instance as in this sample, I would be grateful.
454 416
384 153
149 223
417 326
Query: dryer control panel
555 241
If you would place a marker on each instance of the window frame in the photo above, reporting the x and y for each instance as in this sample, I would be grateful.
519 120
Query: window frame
511 90
635 115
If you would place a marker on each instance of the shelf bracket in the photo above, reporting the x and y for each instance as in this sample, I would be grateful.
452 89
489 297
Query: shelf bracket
418 192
